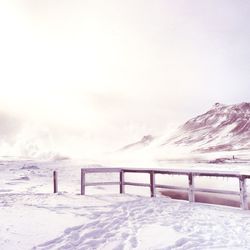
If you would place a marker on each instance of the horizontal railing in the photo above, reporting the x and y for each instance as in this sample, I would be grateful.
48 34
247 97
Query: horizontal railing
152 185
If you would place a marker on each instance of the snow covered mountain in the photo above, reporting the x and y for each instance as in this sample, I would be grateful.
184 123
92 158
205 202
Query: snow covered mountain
222 128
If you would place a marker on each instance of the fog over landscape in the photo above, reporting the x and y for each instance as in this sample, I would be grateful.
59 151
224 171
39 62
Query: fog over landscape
84 77
124 124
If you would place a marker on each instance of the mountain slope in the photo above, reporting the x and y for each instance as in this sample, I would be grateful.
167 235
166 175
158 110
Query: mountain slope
222 128
145 141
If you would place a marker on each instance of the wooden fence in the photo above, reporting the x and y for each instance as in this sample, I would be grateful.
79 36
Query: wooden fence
152 184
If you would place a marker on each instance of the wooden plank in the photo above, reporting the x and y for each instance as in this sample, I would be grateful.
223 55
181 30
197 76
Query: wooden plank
156 171
136 170
205 190
55 182
184 172
122 186
243 193
219 174
82 182
152 184
137 184
102 183
164 172
246 176
101 170
191 196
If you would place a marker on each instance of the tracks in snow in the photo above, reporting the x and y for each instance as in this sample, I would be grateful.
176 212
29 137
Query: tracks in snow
172 225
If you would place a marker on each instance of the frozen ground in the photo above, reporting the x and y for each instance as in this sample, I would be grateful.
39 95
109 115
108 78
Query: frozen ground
34 218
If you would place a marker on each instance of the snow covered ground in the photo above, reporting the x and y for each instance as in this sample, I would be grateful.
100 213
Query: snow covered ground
32 217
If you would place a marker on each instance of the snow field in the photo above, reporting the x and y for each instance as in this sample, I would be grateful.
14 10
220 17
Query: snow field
34 218
158 223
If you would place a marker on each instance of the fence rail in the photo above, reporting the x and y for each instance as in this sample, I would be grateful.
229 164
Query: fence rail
152 183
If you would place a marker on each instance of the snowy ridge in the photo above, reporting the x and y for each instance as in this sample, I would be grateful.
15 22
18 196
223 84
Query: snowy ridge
221 128
224 128
145 141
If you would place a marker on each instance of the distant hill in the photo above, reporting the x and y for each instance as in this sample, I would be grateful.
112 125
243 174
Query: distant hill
222 128
145 141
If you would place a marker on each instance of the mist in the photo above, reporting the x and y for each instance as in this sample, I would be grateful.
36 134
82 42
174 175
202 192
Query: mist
87 77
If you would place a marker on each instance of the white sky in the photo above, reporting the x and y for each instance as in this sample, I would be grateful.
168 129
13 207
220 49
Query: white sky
108 72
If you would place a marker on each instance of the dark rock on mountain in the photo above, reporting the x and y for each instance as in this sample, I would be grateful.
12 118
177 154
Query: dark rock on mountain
145 141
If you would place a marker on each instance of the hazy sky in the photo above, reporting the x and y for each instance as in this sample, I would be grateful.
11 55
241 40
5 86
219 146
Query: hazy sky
108 72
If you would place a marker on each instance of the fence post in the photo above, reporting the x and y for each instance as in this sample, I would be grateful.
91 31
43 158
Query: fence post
82 182
55 183
243 193
191 196
122 187
152 183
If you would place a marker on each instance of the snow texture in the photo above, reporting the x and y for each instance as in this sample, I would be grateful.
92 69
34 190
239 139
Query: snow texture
34 218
